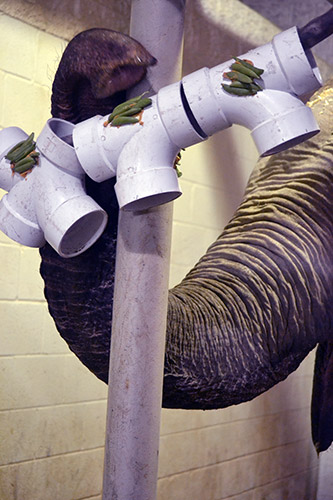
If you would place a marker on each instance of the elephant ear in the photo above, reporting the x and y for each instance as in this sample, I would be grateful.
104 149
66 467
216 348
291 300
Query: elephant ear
322 398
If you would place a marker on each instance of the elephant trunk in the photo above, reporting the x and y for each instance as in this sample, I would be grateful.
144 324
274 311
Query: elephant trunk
256 303
259 300
322 398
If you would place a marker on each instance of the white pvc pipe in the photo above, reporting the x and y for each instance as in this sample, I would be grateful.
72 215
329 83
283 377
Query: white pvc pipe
188 111
276 117
140 300
50 203
142 157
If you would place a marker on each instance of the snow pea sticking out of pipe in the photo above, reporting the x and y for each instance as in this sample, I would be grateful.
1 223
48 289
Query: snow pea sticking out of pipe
176 164
243 76
23 156
128 112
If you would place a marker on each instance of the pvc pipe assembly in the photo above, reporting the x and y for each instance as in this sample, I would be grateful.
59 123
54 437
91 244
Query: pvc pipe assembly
276 118
187 112
142 155
50 203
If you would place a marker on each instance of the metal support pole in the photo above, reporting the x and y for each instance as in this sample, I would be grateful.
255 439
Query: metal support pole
141 291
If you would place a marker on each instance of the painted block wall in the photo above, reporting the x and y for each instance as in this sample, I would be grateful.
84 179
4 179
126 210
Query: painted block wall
52 409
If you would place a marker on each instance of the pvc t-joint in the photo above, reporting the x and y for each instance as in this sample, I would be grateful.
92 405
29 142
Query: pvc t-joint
141 155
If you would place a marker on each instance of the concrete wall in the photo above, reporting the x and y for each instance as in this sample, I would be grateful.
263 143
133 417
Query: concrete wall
284 14
52 409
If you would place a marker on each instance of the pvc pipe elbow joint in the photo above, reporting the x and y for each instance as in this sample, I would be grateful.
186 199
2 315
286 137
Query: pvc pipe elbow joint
146 176
276 117
50 203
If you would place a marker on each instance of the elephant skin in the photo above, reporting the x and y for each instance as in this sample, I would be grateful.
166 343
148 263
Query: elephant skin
255 304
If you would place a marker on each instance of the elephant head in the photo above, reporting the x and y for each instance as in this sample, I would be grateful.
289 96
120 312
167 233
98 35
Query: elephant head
255 304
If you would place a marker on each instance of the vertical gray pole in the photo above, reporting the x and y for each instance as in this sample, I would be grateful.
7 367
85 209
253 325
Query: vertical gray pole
141 289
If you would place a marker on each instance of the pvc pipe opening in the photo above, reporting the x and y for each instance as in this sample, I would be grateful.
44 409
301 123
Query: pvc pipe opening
62 129
277 132
82 234
74 225
146 188
289 144
150 201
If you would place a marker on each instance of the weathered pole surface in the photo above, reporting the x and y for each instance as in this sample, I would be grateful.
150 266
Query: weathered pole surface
141 292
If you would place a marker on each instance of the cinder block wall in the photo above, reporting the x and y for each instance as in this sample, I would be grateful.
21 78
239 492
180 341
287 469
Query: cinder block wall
52 409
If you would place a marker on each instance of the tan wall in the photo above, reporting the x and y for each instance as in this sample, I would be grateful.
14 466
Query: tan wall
53 410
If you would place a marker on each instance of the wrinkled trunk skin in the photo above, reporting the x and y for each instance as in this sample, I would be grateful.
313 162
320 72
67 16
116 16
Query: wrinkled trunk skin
260 299
253 307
